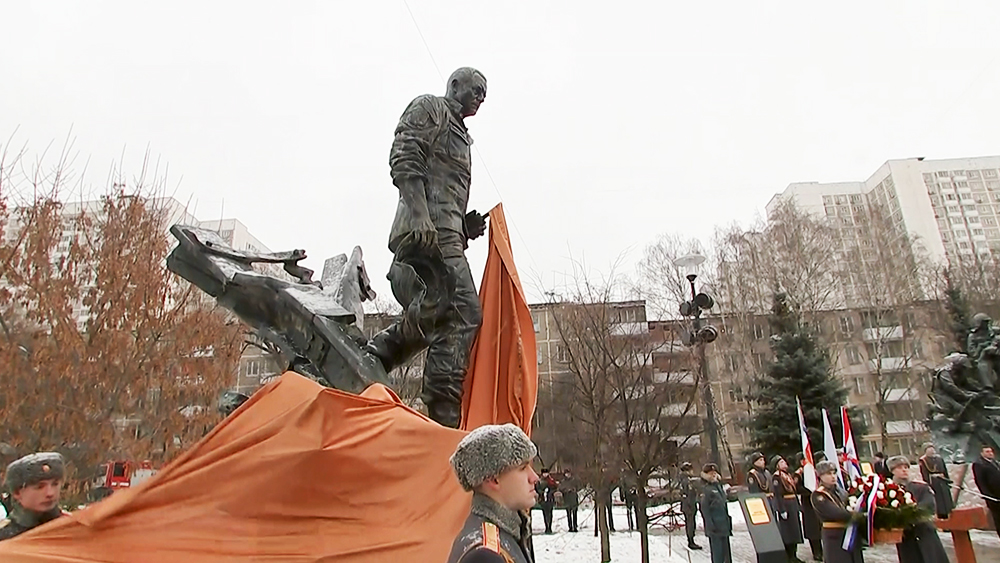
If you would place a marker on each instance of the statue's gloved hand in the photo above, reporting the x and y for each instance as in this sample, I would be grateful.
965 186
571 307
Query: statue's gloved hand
475 224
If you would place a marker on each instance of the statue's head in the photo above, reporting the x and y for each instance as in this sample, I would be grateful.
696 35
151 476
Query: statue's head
467 86
956 360
981 321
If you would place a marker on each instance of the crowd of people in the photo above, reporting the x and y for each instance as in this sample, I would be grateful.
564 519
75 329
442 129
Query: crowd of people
822 516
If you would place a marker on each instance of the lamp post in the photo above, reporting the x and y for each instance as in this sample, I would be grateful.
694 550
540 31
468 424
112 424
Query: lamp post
701 335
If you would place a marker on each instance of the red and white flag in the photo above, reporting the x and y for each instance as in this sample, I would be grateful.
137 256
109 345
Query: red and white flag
852 464
809 469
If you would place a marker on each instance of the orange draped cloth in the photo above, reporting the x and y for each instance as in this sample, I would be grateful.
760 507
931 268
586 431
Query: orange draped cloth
304 473
502 382
299 473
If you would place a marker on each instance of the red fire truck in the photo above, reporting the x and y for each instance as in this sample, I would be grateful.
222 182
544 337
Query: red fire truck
116 475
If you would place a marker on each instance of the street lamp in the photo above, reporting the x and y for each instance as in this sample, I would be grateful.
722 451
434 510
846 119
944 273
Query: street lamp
701 335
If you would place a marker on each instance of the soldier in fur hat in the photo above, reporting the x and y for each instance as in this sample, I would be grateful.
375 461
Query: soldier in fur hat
494 462
921 543
830 503
34 482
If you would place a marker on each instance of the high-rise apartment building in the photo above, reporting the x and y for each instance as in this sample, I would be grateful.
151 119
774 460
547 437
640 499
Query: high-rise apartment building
951 206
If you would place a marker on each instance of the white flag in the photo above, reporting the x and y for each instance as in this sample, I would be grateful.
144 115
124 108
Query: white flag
808 470
830 448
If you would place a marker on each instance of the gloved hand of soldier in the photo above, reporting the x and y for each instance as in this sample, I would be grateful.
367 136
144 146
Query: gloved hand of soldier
784 516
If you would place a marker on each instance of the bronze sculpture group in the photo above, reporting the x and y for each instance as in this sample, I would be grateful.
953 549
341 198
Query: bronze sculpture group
315 325
964 410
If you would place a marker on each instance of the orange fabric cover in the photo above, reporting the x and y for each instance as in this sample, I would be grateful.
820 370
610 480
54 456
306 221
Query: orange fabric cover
305 473
502 383
298 473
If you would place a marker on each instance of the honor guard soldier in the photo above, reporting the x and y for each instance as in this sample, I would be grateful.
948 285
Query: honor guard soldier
494 462
759 478
830 504
34 482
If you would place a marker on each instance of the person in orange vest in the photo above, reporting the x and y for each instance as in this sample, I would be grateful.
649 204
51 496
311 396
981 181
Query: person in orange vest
35 482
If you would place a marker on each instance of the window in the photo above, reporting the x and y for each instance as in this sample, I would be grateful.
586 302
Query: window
534 321
828 199
855 198
853 356
733 362
561 355
970 173
965 197
758 331
758 360
978 232
990 173
846 324
943 174
830 211
859 385
993 184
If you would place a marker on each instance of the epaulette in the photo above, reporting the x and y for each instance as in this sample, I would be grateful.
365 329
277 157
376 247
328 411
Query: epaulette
4 523
491 541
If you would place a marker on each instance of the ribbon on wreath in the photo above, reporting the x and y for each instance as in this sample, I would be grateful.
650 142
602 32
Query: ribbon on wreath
865 505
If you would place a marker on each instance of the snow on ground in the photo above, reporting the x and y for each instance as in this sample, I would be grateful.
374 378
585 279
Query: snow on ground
671 547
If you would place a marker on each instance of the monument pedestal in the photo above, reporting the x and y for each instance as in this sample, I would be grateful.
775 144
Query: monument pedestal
959 523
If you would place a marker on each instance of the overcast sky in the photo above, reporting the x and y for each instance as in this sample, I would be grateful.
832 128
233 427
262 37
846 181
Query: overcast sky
605 124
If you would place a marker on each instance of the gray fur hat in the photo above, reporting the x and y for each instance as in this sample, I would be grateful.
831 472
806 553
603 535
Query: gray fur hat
897 460
488 451
33 468
824 467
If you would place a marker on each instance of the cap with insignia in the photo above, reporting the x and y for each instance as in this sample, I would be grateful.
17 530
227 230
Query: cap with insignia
33 468
488 451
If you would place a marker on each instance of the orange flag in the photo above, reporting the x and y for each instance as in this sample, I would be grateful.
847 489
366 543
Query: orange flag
502 381
299 473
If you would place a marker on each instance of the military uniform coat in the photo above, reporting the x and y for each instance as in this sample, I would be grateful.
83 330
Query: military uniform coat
689 494
483 541
786 502
21 521
718 523
934 472
921 543
831 508
759 481
811 527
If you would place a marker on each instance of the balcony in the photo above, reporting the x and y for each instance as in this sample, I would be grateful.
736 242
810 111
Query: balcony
883 333
629 329
677 409
904 427
900 395
685 377
888 364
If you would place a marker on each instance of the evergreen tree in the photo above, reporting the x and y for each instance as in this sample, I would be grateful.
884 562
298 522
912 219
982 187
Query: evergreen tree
800 368
959 313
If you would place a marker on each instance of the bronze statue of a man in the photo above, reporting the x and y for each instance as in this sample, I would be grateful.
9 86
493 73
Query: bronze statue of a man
431 165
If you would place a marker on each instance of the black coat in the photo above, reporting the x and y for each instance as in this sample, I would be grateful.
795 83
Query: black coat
935 473
759 481
921 543
831 508
786 508
689 494
715 509
987 476
811 527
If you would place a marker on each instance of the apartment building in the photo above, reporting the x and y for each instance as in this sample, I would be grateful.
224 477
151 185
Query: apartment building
672 376
885 361
951 207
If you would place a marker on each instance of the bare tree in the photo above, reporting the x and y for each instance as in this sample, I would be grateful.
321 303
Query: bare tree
118 357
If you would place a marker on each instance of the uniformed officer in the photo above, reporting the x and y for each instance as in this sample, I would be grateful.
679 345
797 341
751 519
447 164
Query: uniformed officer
494 462
921 543
759 478
830 503
689 502
34 482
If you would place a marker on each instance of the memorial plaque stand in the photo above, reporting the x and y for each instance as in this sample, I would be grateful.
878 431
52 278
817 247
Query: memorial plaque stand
763 528
959 522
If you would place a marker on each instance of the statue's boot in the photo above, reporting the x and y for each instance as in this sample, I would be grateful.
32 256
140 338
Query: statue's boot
445 414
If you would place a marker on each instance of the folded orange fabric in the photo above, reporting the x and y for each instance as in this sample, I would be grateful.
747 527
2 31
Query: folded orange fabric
299 473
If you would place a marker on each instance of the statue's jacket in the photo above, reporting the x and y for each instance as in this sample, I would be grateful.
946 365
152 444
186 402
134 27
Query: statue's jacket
432 146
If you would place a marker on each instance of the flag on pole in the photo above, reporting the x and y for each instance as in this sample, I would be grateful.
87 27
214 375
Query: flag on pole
830 448
808 470
853 463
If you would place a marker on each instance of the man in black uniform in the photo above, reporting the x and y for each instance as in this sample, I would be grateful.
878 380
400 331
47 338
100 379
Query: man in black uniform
986 472
759 478
34 482
935 473
921 543
431 165
689 502
494 461
786 508
570 489
830 503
